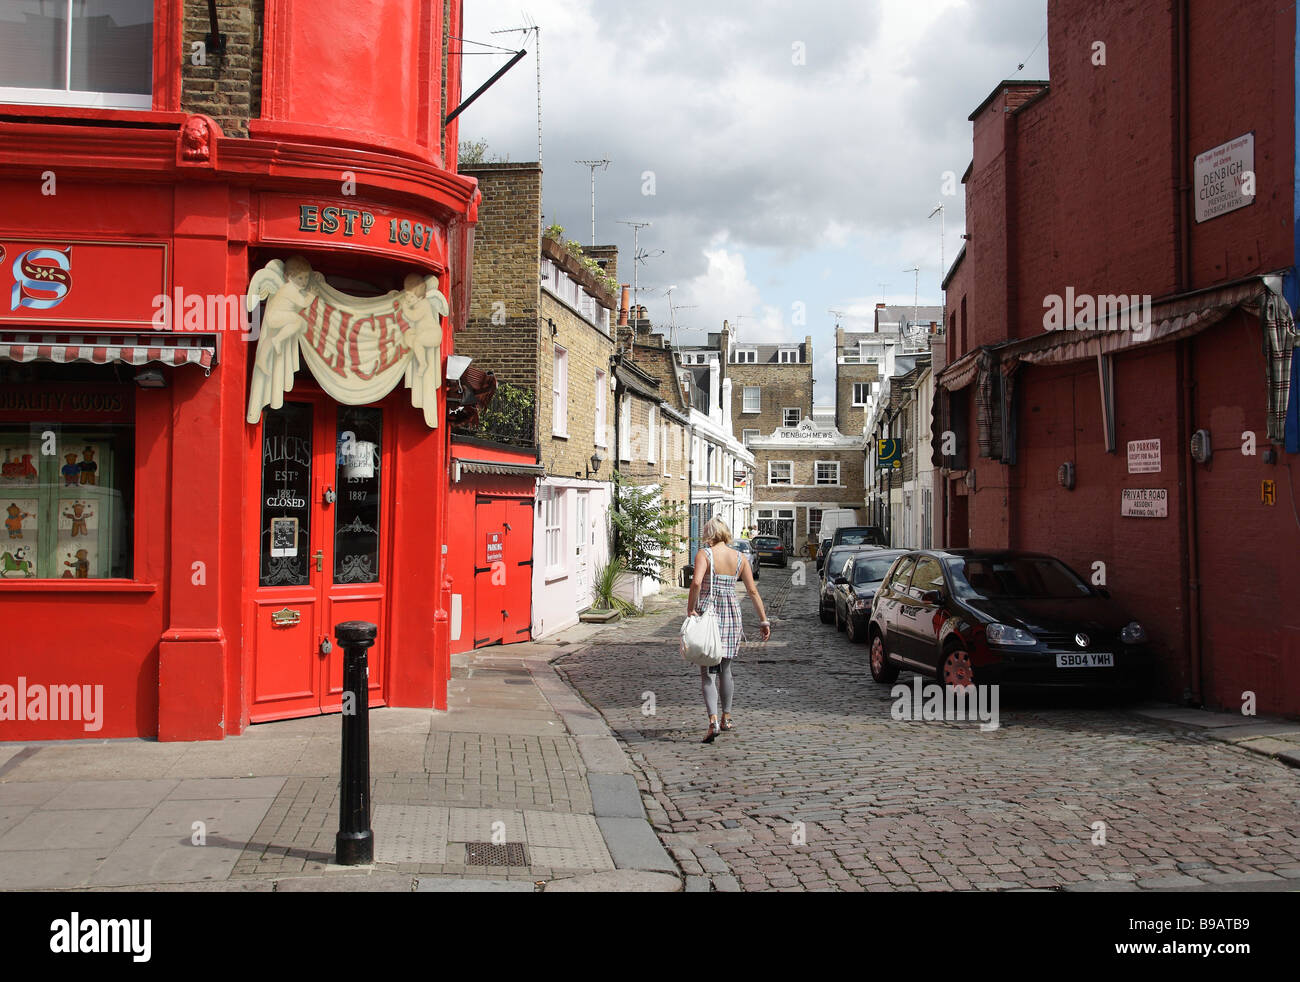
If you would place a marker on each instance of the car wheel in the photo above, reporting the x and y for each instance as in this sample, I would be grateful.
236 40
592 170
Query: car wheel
853 635
839 624
823 613
882 669
956 669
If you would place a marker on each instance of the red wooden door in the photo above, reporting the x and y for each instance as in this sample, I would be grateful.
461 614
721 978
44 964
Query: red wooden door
519 566
322 522
503 575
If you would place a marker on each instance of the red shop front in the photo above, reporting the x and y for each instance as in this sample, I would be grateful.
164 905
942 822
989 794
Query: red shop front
195 495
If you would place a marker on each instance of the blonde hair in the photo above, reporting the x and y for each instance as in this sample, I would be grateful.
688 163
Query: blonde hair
716 531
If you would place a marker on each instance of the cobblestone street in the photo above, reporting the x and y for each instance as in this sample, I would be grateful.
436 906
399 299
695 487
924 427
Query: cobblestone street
819 788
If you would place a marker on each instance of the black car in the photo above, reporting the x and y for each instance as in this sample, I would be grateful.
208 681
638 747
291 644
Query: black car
850 535
769 549
751 557
983 616
855 586
826 590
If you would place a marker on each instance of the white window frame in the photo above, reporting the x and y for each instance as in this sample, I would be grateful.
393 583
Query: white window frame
625 428
553 523
560 392
602 396
746 434
745 356
788 356
68 96
665 447
820 512
817 477
785 411
751 407
789 479
652 434
866 389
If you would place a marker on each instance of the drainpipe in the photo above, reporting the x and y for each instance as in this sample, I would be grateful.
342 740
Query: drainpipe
1185 378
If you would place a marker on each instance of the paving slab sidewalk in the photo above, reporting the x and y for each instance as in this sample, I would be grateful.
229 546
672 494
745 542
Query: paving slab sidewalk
1268 736
519 786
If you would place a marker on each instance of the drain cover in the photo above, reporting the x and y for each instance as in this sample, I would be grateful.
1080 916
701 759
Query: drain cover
492 854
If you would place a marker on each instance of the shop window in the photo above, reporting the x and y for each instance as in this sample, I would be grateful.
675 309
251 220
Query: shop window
67 494
85 53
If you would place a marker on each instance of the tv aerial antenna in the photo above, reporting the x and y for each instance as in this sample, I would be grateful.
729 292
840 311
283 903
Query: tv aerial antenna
593 164
530 26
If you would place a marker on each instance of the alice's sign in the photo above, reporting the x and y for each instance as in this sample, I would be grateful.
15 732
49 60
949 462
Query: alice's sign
357 348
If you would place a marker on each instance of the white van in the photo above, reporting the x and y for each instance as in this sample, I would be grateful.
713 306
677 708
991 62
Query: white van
833 518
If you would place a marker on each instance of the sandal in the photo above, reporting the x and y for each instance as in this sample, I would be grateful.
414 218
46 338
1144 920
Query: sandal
727 724
713 732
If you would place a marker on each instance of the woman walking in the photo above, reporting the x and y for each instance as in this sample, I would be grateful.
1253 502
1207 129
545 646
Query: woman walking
727 566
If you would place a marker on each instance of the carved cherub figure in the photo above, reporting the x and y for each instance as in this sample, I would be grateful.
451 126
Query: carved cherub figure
422 307
285 288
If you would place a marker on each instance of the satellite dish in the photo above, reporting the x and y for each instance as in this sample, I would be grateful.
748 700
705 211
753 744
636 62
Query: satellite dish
915 332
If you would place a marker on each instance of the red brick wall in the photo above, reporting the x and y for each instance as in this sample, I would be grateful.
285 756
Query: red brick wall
1090 171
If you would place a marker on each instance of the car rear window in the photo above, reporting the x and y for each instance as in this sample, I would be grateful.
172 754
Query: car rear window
767 543
1039 577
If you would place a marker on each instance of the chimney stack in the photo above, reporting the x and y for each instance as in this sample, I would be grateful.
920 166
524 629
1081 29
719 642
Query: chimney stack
622 307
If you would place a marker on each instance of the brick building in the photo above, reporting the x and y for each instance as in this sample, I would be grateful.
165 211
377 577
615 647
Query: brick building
862 356
657 421
542 319
801 471
722 469
1141 444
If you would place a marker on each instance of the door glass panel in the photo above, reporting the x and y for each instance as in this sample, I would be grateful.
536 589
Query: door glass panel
285 539
357 476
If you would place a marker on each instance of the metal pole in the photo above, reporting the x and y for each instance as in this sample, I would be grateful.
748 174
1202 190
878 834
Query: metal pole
355 843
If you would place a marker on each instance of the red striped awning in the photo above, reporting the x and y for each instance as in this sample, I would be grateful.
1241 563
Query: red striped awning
101 349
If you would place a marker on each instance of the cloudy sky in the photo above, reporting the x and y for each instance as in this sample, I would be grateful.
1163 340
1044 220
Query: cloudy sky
787 164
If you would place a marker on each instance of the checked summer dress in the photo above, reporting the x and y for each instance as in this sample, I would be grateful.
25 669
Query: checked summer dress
725 605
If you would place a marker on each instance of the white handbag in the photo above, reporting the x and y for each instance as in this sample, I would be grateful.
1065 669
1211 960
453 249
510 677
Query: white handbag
701 636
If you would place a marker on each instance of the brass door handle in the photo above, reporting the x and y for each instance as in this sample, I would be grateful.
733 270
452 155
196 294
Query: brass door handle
320 560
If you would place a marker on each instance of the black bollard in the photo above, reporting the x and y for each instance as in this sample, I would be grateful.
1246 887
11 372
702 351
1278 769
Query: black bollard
355 843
